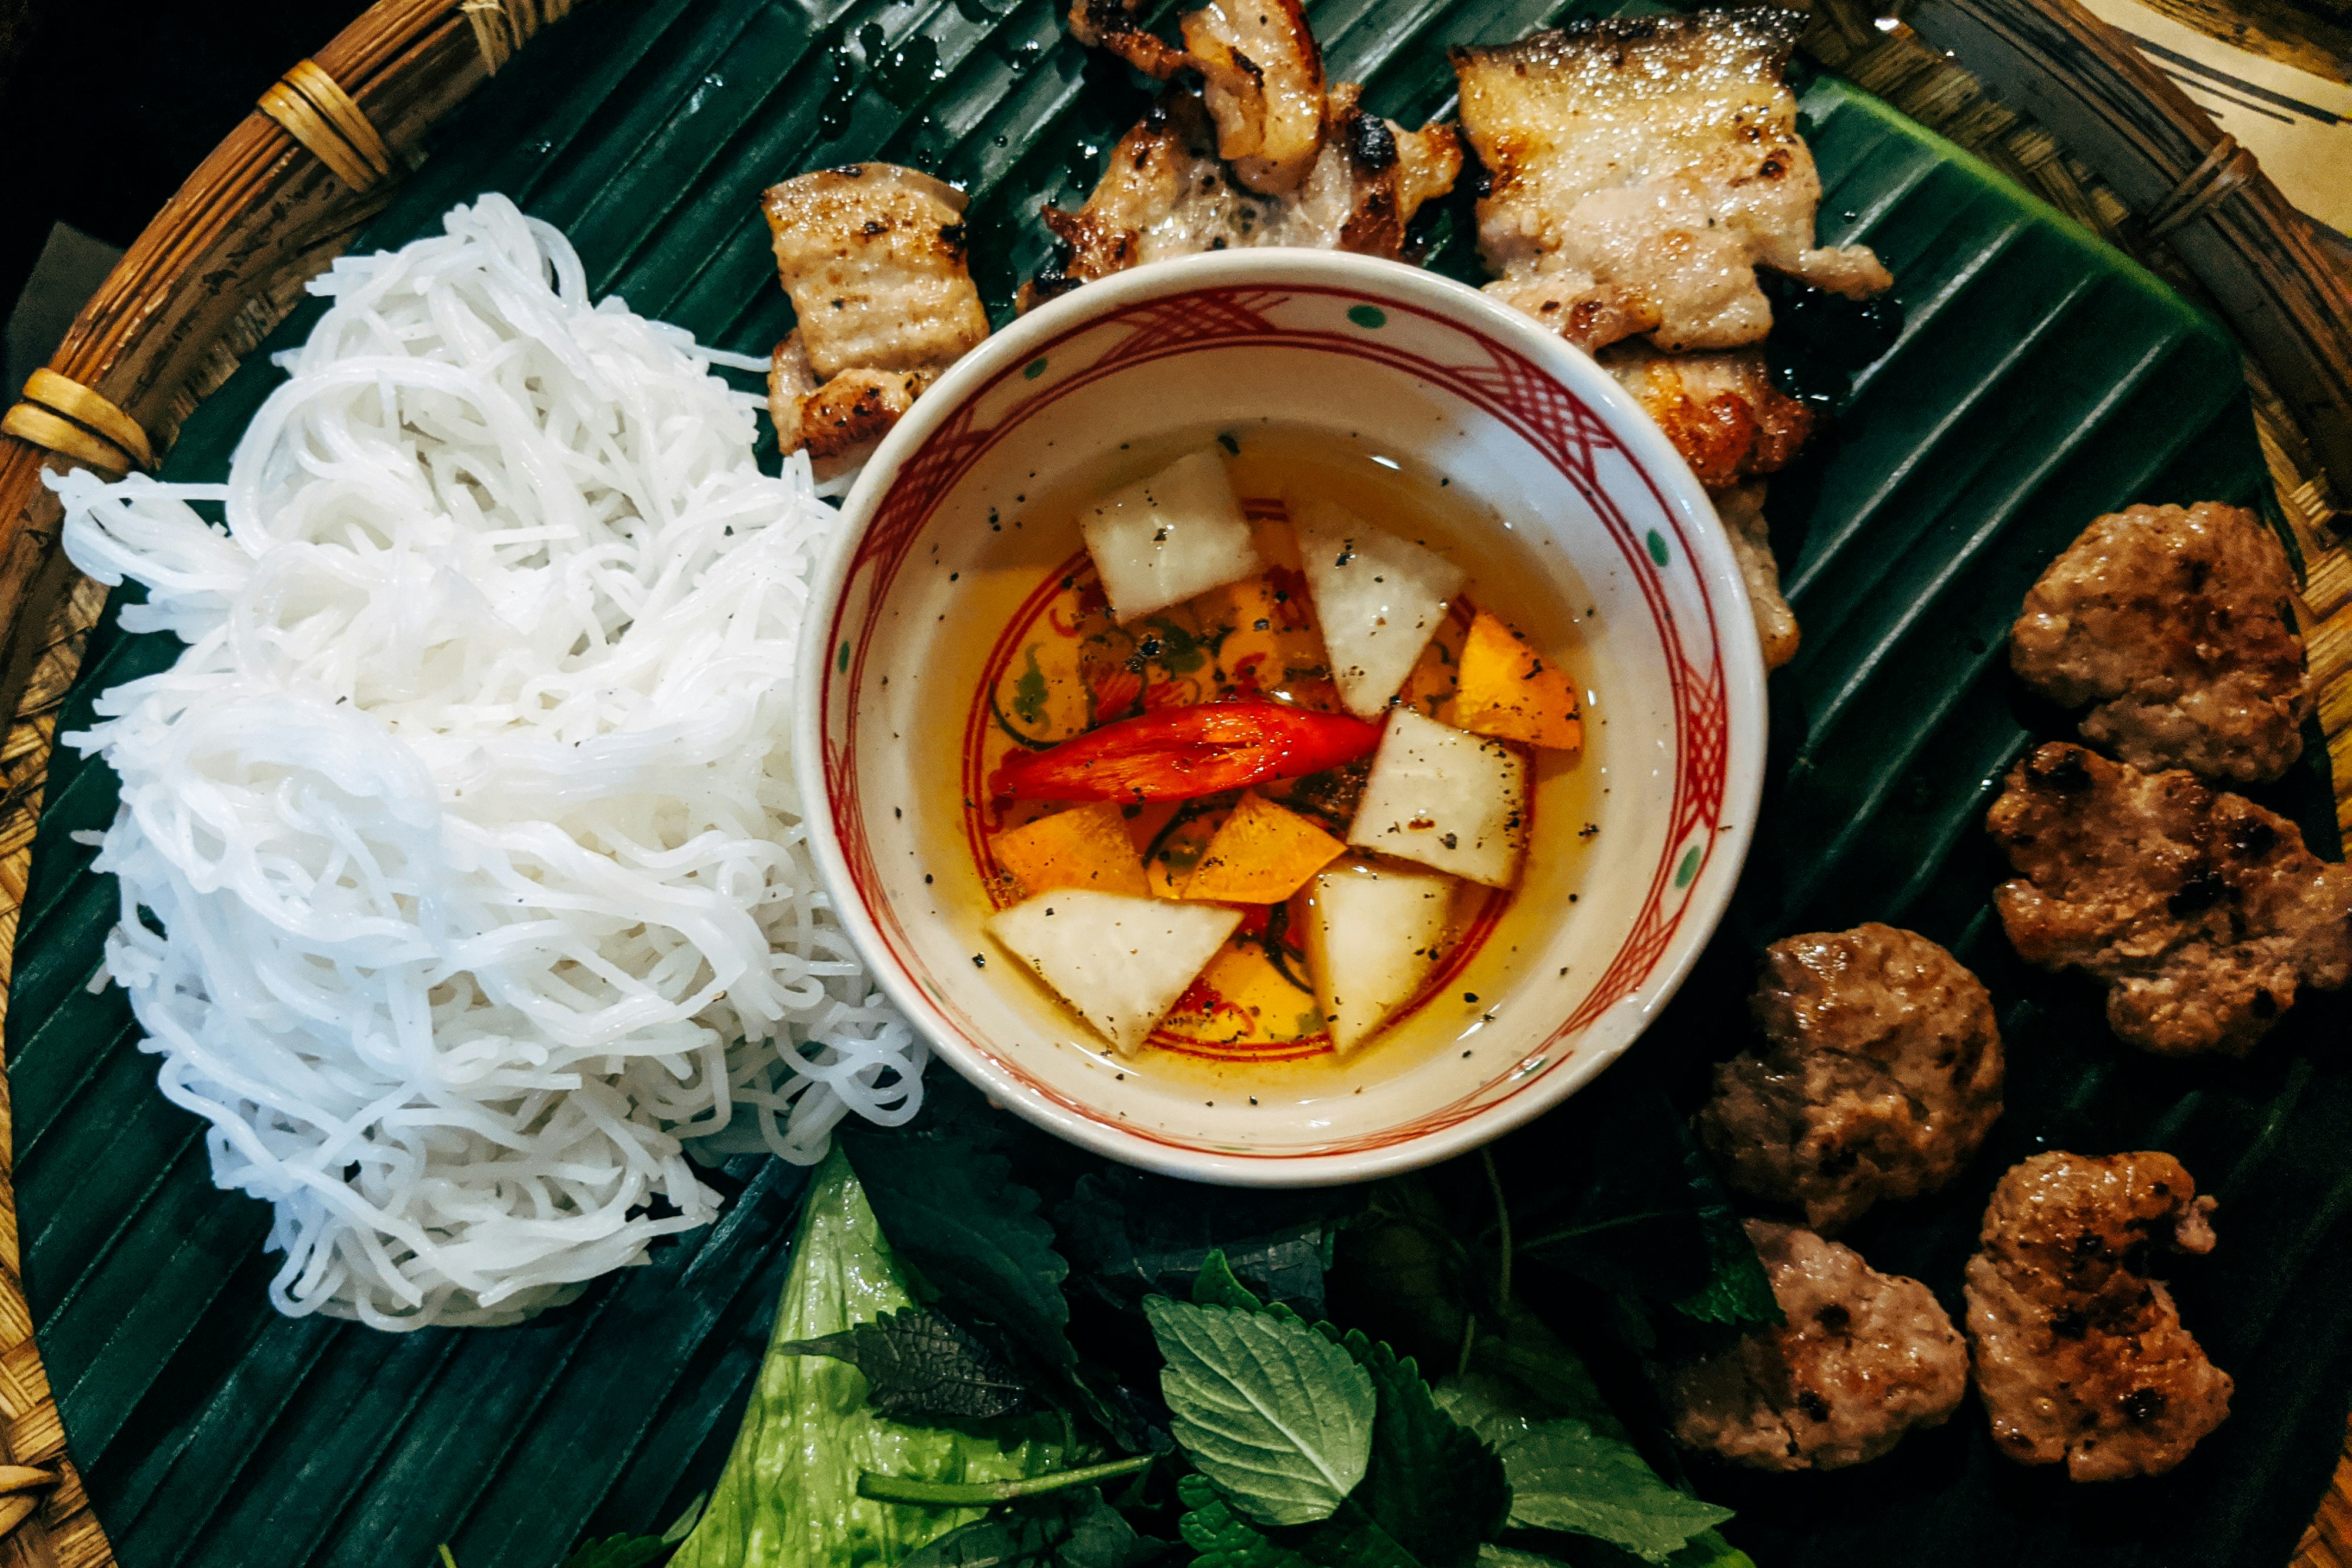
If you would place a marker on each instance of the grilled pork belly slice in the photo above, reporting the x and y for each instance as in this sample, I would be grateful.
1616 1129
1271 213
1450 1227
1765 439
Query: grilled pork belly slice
1166 193
1657 156
1720 410
873 257
1741 508
1260 69
1262 78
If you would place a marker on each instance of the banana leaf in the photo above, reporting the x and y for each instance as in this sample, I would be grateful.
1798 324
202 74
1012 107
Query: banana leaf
2041 379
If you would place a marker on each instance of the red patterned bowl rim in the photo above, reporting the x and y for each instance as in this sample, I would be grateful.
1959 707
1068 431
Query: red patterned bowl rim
1563 406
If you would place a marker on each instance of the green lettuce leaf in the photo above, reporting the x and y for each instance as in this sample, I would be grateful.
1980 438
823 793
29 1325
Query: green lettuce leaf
1270 1411
788 1497
1493 1556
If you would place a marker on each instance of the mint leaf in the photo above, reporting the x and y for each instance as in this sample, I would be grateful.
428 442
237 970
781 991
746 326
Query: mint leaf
918 1363
971 1231
1129 1235
1225 1538
1222 1537
1270 1411
1215 1286
1070 1530
1565 1475
1432 1485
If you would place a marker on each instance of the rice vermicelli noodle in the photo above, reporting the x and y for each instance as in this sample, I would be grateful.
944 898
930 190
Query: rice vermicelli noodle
462 874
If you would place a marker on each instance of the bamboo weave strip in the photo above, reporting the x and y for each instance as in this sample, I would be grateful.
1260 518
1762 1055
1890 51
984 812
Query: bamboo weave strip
63 416
317 112
157 338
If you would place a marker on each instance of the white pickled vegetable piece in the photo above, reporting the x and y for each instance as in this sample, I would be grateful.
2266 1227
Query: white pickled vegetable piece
1162 540
1380 599
1446 798
1121 962
1373 936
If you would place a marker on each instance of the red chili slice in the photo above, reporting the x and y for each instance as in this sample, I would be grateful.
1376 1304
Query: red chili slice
1178 753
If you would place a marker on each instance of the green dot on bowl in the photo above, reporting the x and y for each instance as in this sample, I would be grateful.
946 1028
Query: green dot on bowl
840 660
1371 316
1688 869
1658 552
1033 369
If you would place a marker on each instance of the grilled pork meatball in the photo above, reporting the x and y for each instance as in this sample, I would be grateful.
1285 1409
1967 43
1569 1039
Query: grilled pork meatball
1883 1077
2174 624
1864 1357
2203 912
2078 1357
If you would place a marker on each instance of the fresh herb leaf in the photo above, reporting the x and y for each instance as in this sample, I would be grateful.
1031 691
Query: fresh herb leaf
618 1552
1432 1485
955 1212
1222 1537
1130 1235
1216 1285
1566 1476
1073 1530
1654 1222
1226 1538
1277 1415
1493 1556
628 1551
809 1419
922 1365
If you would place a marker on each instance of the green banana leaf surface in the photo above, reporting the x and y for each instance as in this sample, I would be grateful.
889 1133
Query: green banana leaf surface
2039 380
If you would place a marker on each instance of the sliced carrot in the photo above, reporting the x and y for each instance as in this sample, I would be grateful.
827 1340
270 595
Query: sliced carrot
1262 855
1510 691
1086 847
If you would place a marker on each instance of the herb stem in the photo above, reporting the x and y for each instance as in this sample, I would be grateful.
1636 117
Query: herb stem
1469 1338
981 1494
1502 1222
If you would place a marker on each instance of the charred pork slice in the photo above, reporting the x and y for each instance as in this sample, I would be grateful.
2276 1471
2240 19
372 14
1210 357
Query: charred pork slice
1883 1077
1166 192
1741 508
873 257
2203 912
1730 424
2174 626
1659 158
2082 1359
1261 73
1864 1357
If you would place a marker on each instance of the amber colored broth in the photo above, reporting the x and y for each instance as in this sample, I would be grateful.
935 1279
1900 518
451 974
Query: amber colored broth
1062 667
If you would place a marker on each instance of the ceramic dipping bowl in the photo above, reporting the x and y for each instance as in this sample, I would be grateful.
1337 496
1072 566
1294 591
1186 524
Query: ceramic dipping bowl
969 505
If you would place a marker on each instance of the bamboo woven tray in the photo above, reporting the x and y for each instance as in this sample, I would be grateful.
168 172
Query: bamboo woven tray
2036 87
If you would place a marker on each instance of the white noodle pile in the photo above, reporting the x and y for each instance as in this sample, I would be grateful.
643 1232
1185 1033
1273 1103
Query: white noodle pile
462 868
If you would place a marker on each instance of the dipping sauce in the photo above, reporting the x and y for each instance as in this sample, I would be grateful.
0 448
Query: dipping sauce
1064 666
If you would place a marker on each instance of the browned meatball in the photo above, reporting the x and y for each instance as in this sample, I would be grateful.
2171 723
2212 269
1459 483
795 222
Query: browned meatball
2175 625
1864 1358
2202 911
2079 1357
1883 1077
